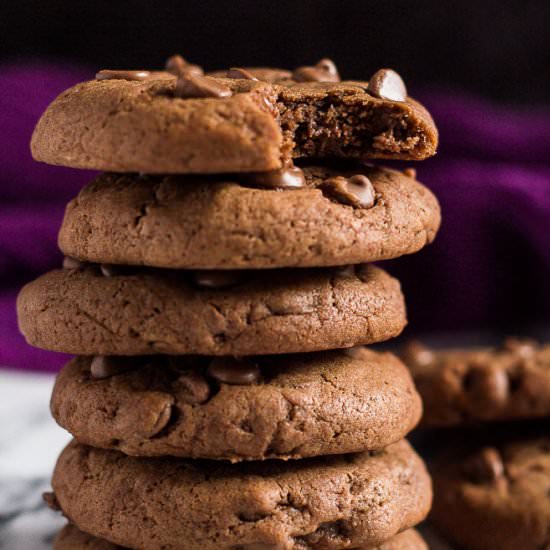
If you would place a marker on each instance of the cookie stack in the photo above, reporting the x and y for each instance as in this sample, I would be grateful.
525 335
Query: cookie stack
217 297
488 411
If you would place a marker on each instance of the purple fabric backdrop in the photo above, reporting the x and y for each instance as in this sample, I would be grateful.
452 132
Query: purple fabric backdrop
489 267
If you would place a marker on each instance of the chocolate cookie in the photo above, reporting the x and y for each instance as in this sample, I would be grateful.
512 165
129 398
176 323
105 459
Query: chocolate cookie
193 222
465 386
267 407
71 538
107 311
159 124
495 496
325 503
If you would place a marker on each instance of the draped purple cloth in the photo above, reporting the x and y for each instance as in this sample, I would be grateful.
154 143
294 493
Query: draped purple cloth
489 267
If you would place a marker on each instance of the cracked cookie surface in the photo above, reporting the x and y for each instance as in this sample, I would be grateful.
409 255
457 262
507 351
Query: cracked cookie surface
83 312
302 405
495 493
139 126
71 538
328 503
194 222
464 386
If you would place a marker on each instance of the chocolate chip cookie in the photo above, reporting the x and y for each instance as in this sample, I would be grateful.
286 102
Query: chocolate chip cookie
157 123
106 310
329 503
495 495
71 538
465 386
267 407
344 214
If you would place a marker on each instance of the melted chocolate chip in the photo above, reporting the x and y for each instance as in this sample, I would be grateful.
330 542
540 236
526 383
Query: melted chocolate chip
290 177
324 71
486 385
72 263
387 84
362 271
196 86
230 370
344 270
51 501
238 72
416 354
217 278
156 425
177 65
485 467
111 270
356 191
105 366
410 173
122 75
355 351
523 348
193 387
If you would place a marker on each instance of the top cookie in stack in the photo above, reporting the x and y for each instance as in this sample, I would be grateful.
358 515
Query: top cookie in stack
155 123
197 339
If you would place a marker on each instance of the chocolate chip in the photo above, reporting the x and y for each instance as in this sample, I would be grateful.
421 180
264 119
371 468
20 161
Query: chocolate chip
486 386
72 263
122 75
105 366
230 370
344 270
160 422
209 278
523 348
356 191
192 386
324 71
238 72
485 467
51 501
417 355
410 173
387 84
196 86
177 65
355 351
111 270
289 177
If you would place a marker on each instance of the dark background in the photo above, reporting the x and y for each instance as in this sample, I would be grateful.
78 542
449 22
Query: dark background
481 67
500 49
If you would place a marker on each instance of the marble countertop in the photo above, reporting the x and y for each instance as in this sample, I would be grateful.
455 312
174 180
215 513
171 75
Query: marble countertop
30 442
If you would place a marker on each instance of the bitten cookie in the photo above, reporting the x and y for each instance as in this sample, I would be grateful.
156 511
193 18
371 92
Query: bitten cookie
325 503
465 386
266 407
90 311
155 123
71 538
327 216
495 496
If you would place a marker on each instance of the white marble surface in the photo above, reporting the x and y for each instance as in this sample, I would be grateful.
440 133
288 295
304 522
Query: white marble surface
30 442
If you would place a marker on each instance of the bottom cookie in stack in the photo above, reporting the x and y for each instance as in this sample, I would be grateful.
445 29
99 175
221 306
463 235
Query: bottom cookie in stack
488 411
71 538
329 503
159 408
